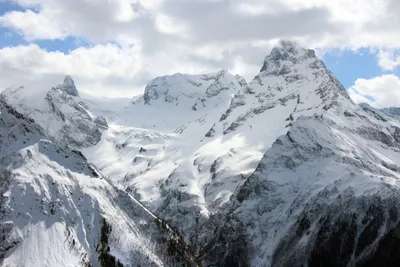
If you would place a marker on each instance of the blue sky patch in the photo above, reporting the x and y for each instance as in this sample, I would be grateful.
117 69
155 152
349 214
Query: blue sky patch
65 45
8 6
9 37
348 65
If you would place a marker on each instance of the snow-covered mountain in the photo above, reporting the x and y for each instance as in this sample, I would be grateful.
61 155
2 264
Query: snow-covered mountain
59 210
284 170
60 111
325 193
331 182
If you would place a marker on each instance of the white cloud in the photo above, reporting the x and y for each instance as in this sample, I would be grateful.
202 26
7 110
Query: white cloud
358 98
107 69
32 25
185 36
389 60
352 23
96 20
169 25
385 90
114 70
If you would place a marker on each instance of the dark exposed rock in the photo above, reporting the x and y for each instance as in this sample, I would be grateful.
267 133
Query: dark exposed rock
101 123
396 134
69 86
334 243
337 238
348 114
378 114
211 132
376 134
105 258
387 252
6 227
227 247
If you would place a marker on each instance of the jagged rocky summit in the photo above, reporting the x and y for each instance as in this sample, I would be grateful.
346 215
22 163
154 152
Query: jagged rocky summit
61 112
283 170
68 86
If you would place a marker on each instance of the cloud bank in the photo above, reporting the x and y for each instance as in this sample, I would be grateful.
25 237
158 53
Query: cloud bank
128 42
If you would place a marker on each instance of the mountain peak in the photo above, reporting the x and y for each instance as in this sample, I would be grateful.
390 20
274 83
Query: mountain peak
68 80
69 86
284 54
171 88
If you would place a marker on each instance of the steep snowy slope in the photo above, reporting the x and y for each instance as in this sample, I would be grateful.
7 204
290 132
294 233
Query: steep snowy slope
60 111
58 210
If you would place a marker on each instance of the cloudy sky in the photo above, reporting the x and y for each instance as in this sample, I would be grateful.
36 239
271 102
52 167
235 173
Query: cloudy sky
114 47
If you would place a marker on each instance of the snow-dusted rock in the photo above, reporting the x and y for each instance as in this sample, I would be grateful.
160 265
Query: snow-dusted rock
392 112
68 86
61 112
181 88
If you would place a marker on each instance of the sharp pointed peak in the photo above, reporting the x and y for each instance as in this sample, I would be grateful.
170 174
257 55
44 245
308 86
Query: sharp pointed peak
284 54
223 71
69 86
68 80
292 48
